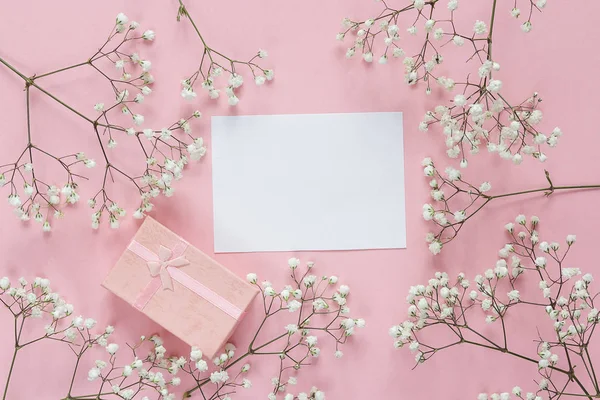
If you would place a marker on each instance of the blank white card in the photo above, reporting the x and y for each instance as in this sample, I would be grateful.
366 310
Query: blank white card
308 182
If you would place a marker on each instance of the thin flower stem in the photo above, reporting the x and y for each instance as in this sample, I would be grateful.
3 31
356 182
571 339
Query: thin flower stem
549 190
208 48
10 371
489 38
60 101
75 373
101 146
478 200
62 69
570 373
251 351
30 82
16 71
187 14
14 357
595 379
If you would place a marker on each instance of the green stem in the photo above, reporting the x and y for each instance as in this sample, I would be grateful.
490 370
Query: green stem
240 358
13 69
30 82
595 379
193 23
88 62
61 102
489 38
570 373
12 365
209 49
549 190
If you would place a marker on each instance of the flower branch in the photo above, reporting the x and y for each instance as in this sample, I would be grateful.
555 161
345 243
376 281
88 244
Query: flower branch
214 63
317 312
456 201
165 154
309 298
563 361
479 115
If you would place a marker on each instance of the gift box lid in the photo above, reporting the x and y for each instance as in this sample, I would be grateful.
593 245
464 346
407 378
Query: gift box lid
180 288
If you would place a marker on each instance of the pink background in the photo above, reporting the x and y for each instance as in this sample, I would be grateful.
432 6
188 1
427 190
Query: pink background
312 76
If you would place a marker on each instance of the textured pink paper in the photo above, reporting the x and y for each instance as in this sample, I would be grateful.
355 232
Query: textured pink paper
188 316
311 76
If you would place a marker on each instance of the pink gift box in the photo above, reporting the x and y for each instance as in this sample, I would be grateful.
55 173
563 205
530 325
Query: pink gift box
180 288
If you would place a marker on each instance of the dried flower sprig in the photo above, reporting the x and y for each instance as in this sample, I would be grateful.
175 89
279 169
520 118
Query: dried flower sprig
562 293
455 201
480 115
316 308
214 63
166 154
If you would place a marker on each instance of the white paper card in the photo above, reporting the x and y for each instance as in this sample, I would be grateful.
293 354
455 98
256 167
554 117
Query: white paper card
308 182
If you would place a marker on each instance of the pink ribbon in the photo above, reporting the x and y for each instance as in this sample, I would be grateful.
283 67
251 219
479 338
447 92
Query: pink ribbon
164 268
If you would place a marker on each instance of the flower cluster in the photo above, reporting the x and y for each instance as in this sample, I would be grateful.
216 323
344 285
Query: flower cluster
162 373
310 311
453 202
562 294
214 64
153 371
166 152
479 115
36 300
316 305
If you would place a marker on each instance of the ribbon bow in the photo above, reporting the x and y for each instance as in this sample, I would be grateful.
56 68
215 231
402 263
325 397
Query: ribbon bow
165 264
165 261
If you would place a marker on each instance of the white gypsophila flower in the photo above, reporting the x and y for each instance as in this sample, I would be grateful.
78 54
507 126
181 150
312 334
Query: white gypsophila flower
188 94
460 216
458 40
494 85
514 295
429 24
419 4
260 80
251 278
94 374
485 187
480 28
435 247
122 19
291 329
112 348
293 263
294 306
146 65
569 273
233 100
236 80
138 119
149 35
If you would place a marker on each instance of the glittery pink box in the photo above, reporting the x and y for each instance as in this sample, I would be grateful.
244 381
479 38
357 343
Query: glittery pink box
180 288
